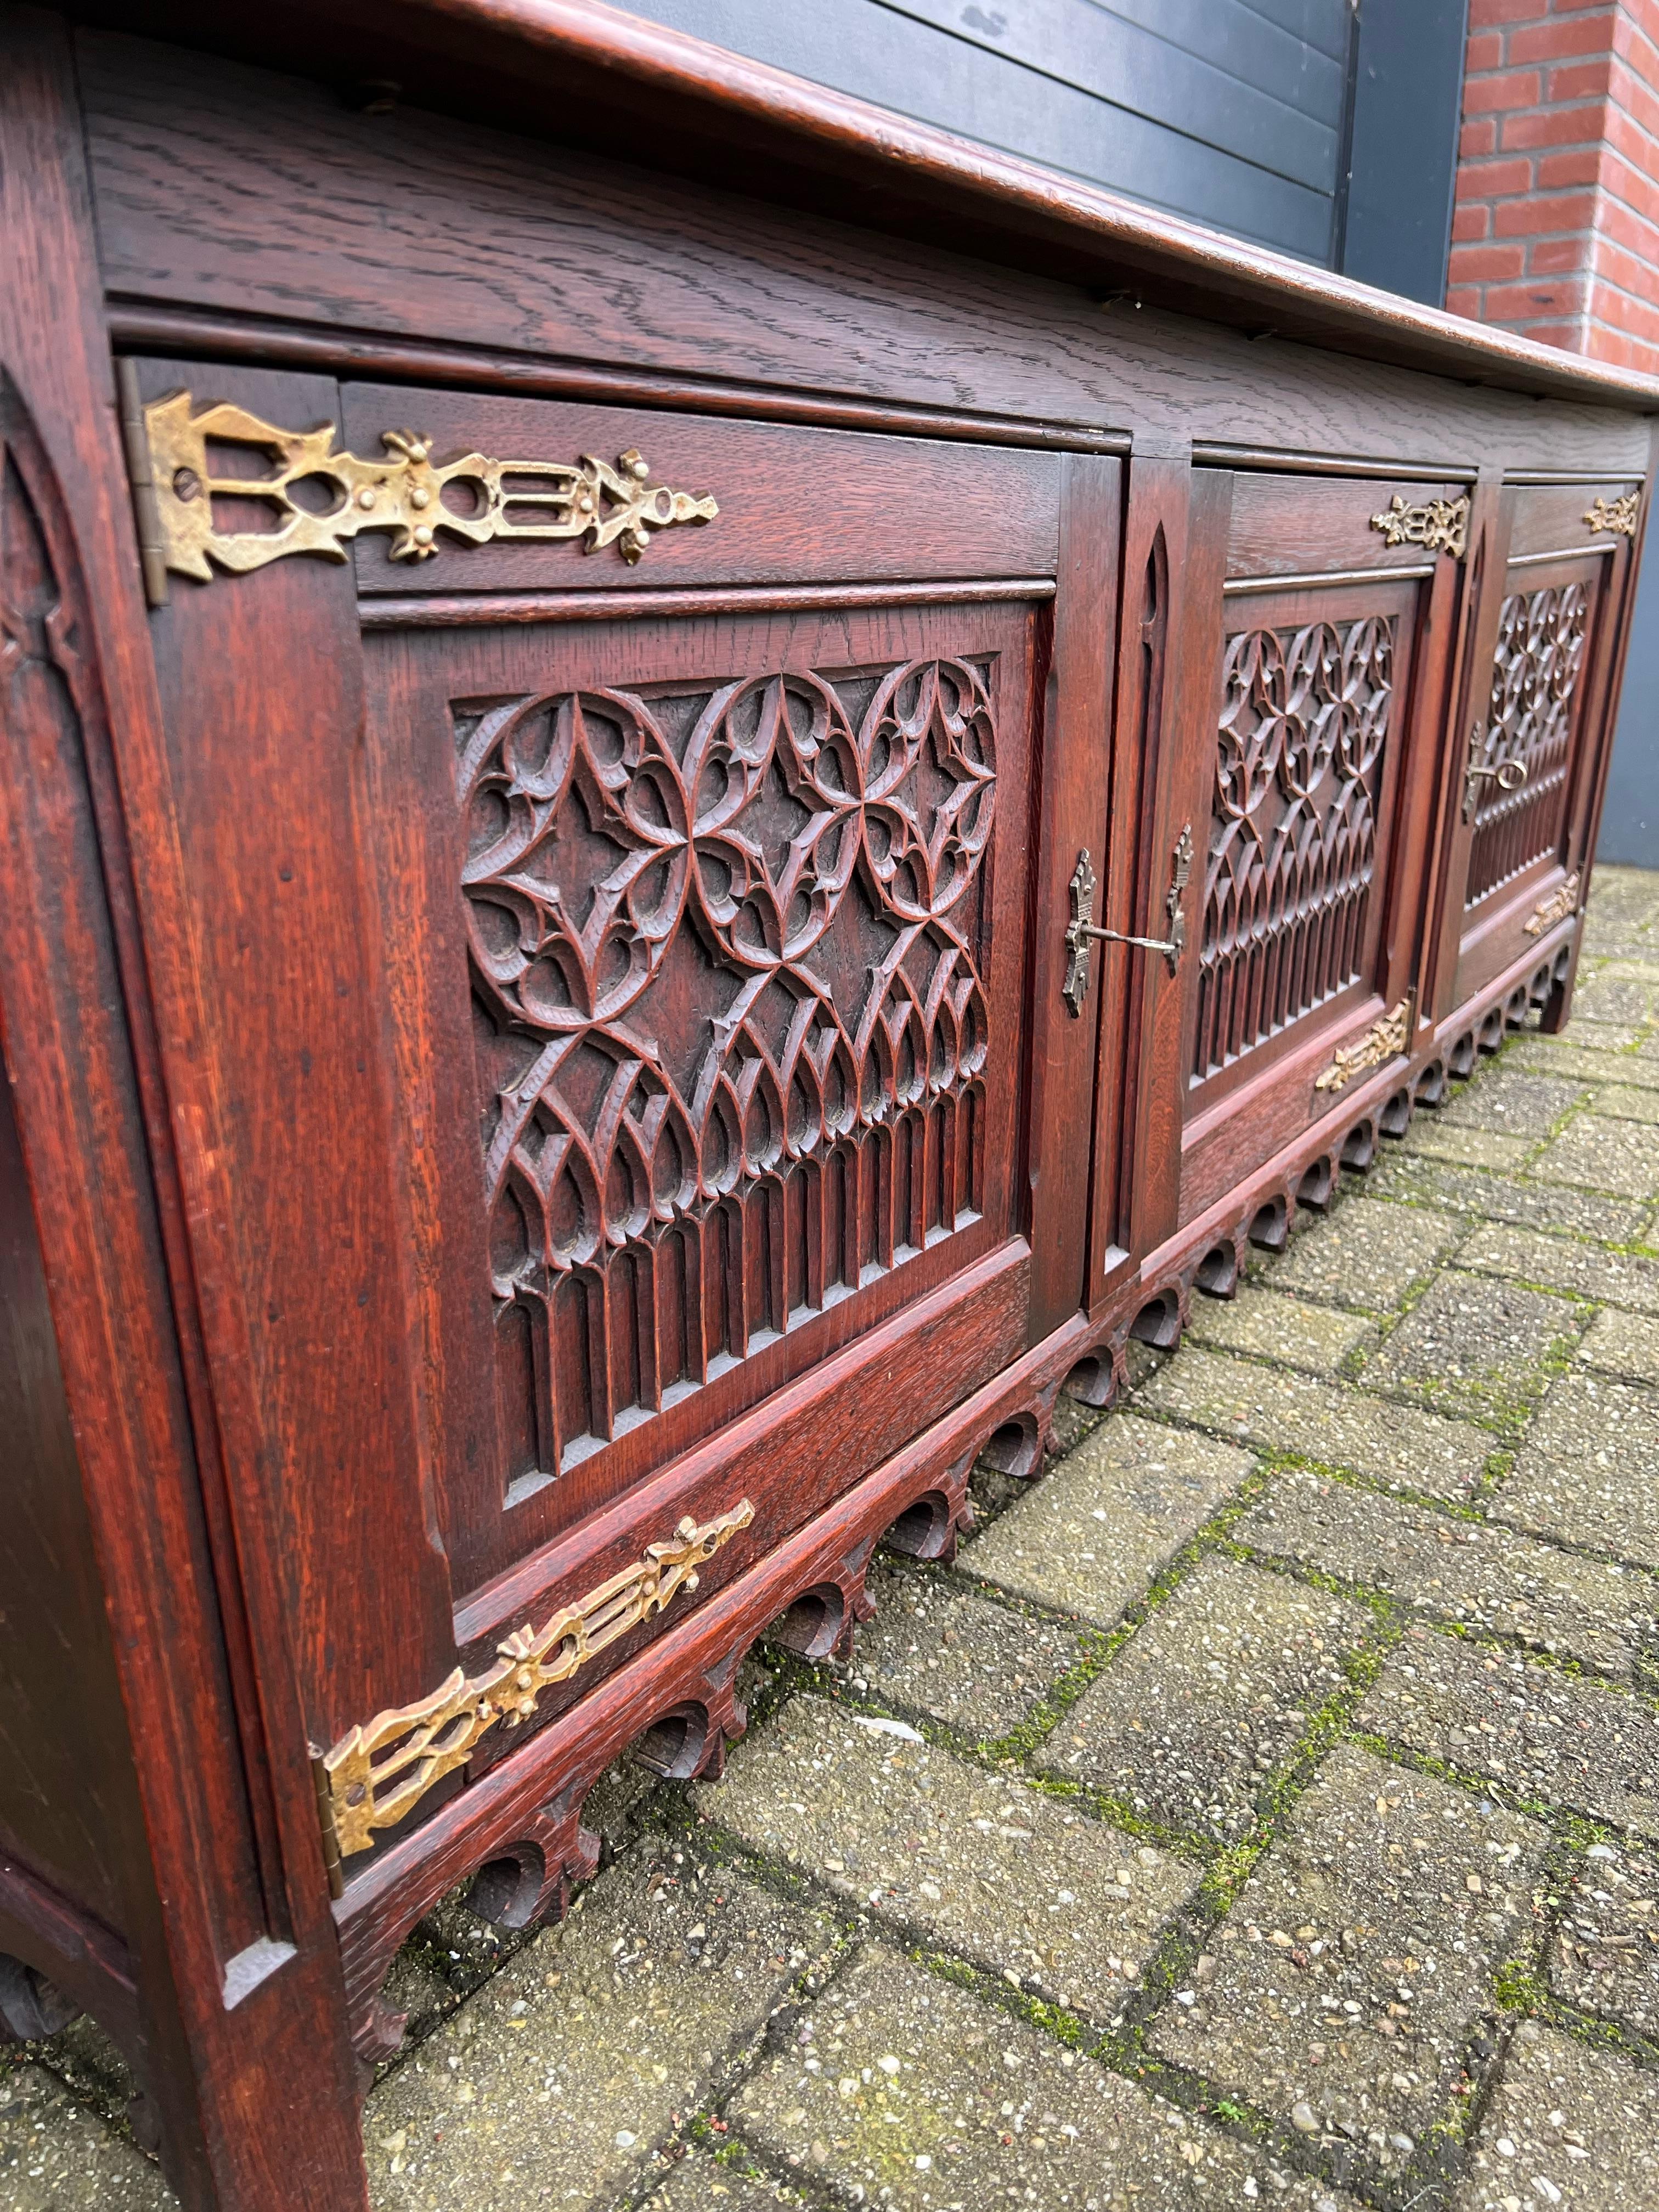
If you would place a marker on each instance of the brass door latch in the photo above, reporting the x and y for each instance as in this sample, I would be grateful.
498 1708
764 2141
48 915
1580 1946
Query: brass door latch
1508 775
1083 929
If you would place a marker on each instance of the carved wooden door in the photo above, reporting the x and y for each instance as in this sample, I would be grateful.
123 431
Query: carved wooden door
1322 616
1534 706
621 969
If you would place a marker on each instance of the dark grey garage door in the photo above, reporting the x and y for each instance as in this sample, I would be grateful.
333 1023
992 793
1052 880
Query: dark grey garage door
1231 113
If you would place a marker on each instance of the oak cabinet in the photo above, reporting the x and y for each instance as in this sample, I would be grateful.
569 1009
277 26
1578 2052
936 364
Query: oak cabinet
677 834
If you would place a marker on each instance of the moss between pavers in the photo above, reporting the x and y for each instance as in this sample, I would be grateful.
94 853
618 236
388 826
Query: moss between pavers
950 1854
1534 1728
1588 1473
1208 1698
1248 1402
1478 1348
1359 1953
910 2092
1488 1578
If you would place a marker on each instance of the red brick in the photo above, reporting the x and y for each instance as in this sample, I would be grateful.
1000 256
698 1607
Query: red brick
1559 257
1486 52
1511 89
1584 80
1625 230
1493 180
1485 264
1469 222
1636 97
1578 165
1485 13
1543 214
1630 187
1477 138
1511 303
1559 37
1464 299
1555 126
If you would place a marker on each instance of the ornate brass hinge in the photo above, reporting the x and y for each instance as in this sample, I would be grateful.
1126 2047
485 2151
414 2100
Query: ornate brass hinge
1561 902
1082 929
357 1793
1508 775
1385 1040
1617 515
473 499
1439 526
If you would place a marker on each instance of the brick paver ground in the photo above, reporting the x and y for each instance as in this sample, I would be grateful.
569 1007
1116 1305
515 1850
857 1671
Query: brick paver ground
1265 1809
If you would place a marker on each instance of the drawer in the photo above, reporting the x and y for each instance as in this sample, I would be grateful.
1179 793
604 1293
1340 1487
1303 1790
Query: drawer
794 504
1292 525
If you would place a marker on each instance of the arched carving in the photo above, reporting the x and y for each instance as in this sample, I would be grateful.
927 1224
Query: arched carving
1305 719
718 939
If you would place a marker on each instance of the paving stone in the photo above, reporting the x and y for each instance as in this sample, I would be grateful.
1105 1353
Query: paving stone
1567 1057
1019 1883
1366 1254
1510 1102
936 1648
1588 1471
1619 994
703 2182
1486 1577
57 2157
1627 1102
1431 1138
556 2082
1320 1420
1618 1278
1357 1955
1569 2129
1476 1345
1601 1154
1443 1186
1209 1697
1090 1538
910 2093
1268 1321
1623 1344
1541 1733
1604 1956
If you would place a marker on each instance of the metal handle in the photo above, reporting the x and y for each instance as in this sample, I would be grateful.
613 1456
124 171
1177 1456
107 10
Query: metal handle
1508 775
1083 929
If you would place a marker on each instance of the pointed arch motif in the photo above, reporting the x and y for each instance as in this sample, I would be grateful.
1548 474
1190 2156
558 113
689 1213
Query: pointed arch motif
726 948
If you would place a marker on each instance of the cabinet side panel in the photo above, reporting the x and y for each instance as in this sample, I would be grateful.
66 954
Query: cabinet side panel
56 1783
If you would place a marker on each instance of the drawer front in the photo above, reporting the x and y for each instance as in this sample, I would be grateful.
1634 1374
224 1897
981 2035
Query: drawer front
806 506
1326 653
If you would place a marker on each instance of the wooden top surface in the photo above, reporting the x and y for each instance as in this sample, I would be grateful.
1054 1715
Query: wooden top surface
584 73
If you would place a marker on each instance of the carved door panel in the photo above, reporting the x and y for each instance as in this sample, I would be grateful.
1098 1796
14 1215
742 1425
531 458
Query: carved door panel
1530 723
1328 653
619 970
710 1036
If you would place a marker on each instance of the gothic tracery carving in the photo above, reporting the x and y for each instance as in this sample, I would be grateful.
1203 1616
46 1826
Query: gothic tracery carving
1304 720
728 956
1541 641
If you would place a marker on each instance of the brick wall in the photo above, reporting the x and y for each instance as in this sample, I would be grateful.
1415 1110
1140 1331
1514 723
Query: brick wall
1555 230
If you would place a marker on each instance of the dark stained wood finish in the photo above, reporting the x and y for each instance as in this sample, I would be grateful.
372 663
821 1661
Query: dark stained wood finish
222 1935
505 1052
